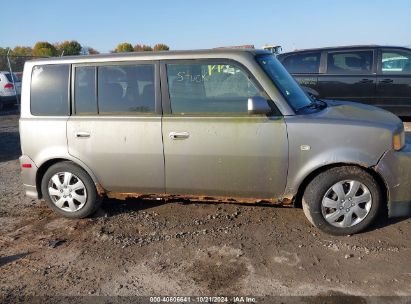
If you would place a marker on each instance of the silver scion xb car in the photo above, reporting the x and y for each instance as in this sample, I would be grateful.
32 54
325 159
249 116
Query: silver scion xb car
214 124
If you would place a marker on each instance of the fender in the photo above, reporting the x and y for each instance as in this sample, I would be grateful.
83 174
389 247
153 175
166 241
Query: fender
40 161
300 170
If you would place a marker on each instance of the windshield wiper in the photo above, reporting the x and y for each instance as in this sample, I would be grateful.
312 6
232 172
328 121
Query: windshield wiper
318 100
321 103
311 105
315 104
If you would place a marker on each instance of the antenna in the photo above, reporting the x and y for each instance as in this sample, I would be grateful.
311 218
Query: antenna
12 76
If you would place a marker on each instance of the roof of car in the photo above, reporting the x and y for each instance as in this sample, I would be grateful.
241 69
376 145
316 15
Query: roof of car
159 55
365 46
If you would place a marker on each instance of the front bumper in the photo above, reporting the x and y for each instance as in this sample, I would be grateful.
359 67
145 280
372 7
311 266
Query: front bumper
28 176
395 168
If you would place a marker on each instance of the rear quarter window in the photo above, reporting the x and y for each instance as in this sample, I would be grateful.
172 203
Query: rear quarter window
49 92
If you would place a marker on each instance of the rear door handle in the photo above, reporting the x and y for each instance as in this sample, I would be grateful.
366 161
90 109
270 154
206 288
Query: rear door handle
179 135
387 80
82 134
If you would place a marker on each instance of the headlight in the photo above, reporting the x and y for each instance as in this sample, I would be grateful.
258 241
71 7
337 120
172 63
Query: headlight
398 139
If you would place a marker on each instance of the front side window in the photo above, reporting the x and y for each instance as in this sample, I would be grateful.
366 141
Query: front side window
284 82
396 62
49 92
306 63
209 88
353 62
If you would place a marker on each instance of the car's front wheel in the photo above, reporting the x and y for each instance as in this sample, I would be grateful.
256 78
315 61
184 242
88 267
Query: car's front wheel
342 200
69 190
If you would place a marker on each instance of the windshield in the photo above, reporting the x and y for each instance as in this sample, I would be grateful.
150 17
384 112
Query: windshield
16 79
290 89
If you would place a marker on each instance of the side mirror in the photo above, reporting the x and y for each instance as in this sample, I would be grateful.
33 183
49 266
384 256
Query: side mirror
258 105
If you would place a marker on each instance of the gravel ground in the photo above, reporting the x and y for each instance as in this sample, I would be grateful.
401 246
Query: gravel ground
156 248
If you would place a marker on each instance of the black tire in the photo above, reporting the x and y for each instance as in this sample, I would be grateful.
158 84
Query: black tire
92 202
318 187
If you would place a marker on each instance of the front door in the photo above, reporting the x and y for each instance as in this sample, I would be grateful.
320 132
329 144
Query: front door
394 81
115 128
212 147
350 75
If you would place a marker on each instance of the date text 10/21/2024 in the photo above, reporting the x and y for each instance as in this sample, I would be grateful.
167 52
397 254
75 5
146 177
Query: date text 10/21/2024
205 299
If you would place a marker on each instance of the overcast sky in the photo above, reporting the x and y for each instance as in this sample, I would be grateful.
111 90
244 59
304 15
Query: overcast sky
193 24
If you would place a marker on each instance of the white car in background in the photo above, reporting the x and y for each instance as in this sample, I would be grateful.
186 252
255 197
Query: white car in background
7 89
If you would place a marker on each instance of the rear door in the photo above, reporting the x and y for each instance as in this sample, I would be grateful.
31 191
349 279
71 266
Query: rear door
350 75
212 146
394 81
115 128
305 68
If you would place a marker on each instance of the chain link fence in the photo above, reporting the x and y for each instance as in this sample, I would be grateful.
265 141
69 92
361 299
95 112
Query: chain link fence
10 64
14 63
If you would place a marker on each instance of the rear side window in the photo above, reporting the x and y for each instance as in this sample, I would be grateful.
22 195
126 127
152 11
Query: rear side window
126 89
49 90
85 90
209 88
120 89
306 63
354 62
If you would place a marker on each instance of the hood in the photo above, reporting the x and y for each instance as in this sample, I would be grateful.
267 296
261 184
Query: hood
357 112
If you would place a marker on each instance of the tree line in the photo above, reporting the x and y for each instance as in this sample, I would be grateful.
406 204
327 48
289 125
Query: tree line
73 48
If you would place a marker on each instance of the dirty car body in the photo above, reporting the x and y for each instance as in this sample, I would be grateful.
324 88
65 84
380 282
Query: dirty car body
214 124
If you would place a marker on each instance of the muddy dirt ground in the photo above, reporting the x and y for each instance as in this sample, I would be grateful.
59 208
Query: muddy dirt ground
156 248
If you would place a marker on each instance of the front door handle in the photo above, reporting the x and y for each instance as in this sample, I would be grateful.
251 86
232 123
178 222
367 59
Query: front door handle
365 80
82 134
387 80
179 135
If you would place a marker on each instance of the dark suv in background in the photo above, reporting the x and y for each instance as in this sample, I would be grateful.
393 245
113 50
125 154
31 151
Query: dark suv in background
376 75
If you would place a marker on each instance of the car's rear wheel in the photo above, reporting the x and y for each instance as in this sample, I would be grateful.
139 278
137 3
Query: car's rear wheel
69 190
342 200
